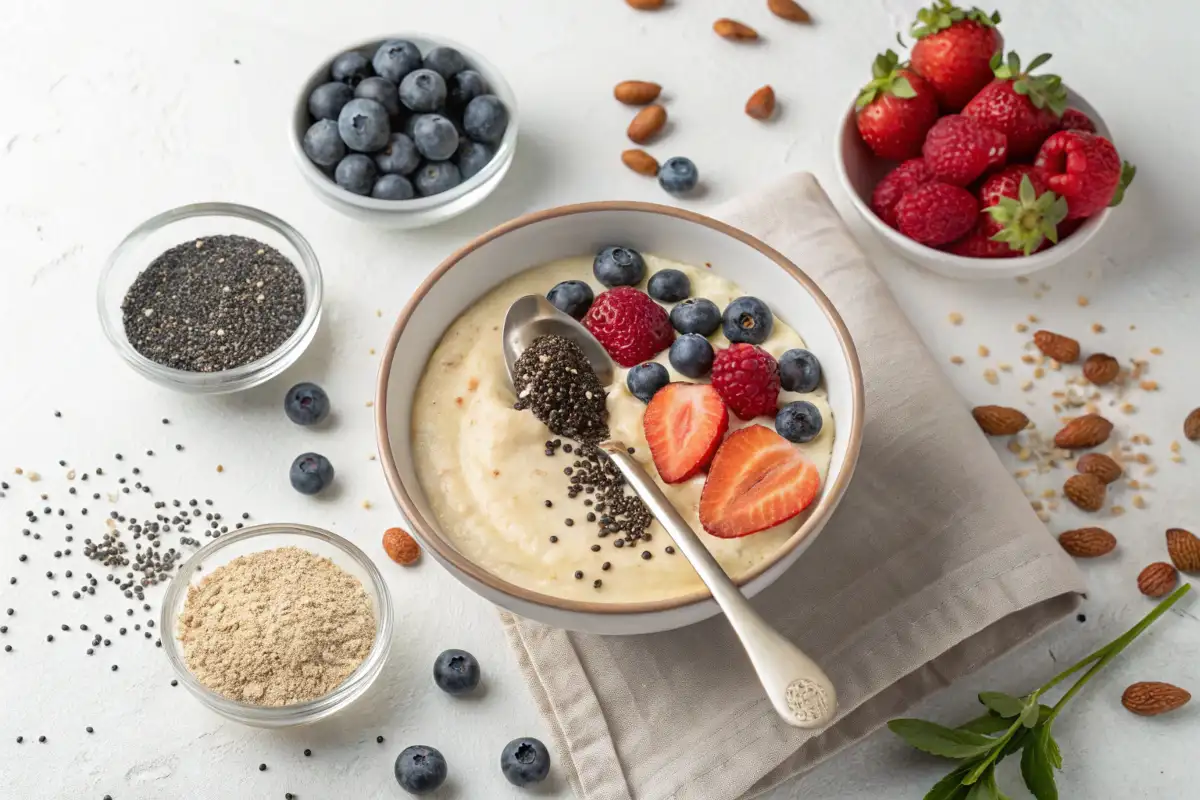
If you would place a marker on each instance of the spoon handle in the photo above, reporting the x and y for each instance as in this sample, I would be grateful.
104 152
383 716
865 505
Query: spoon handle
798 689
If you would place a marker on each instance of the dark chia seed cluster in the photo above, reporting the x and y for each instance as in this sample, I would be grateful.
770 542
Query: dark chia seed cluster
214 304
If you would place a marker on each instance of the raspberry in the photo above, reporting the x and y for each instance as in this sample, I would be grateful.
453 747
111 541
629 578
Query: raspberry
936 213
897 183
978 244
747 378
958 149
1082 167
631 327
1075 120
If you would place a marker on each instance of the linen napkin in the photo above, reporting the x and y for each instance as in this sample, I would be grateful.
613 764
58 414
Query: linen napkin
933 564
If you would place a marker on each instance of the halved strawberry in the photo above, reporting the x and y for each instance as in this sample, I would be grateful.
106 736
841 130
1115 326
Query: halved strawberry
684 424
757 480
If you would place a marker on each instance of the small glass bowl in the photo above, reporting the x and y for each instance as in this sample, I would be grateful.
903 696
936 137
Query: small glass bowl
157 235
268 537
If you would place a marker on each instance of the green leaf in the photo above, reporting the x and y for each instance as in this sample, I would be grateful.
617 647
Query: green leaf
900 40
902 88
1052 751
1029 717
989 723
1026 193
951 786
1037 62
1128 172
938 740
1037 766
995 60
1014 63
1005 704
880 67
985 788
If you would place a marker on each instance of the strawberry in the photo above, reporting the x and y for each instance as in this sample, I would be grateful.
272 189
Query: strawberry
1075 120
1021 211
632 327
747 378
757 480
936 213
897 183
954 50
895 109
958 149
684 423
1024 107
979 244
1086 169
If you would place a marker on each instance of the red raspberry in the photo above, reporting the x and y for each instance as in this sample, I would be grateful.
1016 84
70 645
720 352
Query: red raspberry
747 378
897 183
1082 167
1075 120
979 244
958 149
632 327
936 213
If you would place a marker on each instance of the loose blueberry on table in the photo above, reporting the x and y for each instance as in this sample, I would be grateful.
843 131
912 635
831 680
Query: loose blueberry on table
525 761
306 404
420 769
678 175
311 473
456 672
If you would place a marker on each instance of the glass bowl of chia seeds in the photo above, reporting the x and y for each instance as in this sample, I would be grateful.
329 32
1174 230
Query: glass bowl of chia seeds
211 298
222 556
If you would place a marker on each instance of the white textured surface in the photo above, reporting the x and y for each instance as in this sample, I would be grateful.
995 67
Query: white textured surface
114 111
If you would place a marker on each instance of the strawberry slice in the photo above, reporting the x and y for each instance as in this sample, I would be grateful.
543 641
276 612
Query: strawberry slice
684 424
757 480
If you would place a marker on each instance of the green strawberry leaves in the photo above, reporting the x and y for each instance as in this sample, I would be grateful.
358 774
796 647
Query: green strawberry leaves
1044 91
943 13
1027 220
938 740
1128 171
885 79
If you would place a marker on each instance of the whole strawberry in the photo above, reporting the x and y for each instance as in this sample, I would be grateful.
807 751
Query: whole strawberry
1025 108
958 149
1085 169
747 378
954 50
631 327
936 213
979 244
1021 212
897 183
895 110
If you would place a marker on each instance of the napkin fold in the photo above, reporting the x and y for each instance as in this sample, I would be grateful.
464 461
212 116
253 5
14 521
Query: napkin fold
933 564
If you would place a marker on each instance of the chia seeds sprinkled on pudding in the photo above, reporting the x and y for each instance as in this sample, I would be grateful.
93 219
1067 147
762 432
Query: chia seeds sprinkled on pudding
214 304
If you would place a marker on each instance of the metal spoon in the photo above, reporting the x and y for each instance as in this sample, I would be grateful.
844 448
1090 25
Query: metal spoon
798 689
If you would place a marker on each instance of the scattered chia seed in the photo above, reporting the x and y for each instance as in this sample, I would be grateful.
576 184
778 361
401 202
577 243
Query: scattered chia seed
670 550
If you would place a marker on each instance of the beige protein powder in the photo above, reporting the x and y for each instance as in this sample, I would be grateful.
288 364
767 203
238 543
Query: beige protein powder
275 628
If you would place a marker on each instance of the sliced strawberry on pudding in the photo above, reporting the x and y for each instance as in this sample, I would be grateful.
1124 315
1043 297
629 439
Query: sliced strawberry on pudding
684 423
757 480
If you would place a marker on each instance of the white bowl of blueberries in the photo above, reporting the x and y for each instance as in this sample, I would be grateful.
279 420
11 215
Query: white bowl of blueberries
404 132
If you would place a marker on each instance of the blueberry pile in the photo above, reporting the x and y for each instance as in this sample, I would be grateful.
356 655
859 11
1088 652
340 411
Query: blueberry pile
401 124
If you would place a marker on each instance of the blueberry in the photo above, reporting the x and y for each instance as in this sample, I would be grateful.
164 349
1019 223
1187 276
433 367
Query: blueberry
456 672
326 100
698 315
798 422
435 137
669 286
382 91
525 761
420 769
485 119
571 297
363 125
350 68
691 355
799 371
393 187
306 404
619 266
463 88
445 61
395 59
355 173
645 380
472 157
678 175
322 144
311 473
437 177
423 90
400 157
747 319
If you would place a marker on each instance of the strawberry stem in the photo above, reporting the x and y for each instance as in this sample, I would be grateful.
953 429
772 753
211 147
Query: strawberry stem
885 79
943 13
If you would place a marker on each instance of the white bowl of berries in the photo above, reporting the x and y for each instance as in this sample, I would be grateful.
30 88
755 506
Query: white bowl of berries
971 164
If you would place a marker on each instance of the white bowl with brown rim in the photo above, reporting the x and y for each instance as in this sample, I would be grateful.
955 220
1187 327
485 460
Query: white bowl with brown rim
546 236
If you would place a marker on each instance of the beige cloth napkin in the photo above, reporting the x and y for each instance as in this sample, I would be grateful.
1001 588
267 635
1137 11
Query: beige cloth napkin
933 564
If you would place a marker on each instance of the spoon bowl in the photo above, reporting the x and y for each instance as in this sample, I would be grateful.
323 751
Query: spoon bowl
532 317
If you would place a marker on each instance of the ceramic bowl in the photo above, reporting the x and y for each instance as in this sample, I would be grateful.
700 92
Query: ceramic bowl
558 233
860 169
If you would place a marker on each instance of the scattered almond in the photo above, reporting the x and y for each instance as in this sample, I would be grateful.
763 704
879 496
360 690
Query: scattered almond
1085 491
646 5
955 318
401 547
732 29
789 10
761 104
1148 386
1191 425
1083 432
1158 579
1062 349
1087 542
1100 465
956 359
1184 549
1101 368
999 420
648 122
637 93
1151 698
640 162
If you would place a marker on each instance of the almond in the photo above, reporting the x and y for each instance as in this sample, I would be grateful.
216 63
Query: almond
1062 349
789 10
1100 465
1101 368
640 162
1087 542
1083 432
1158 579
637 93
761 104
999 420
1151 698
1184 548
1191 425
646 5
648 122
1085 491
401 547
732 29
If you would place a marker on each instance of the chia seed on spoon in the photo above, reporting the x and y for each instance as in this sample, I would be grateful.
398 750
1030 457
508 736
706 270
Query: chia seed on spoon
555 381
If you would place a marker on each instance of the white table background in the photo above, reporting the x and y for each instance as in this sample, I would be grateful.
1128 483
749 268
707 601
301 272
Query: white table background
114 111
